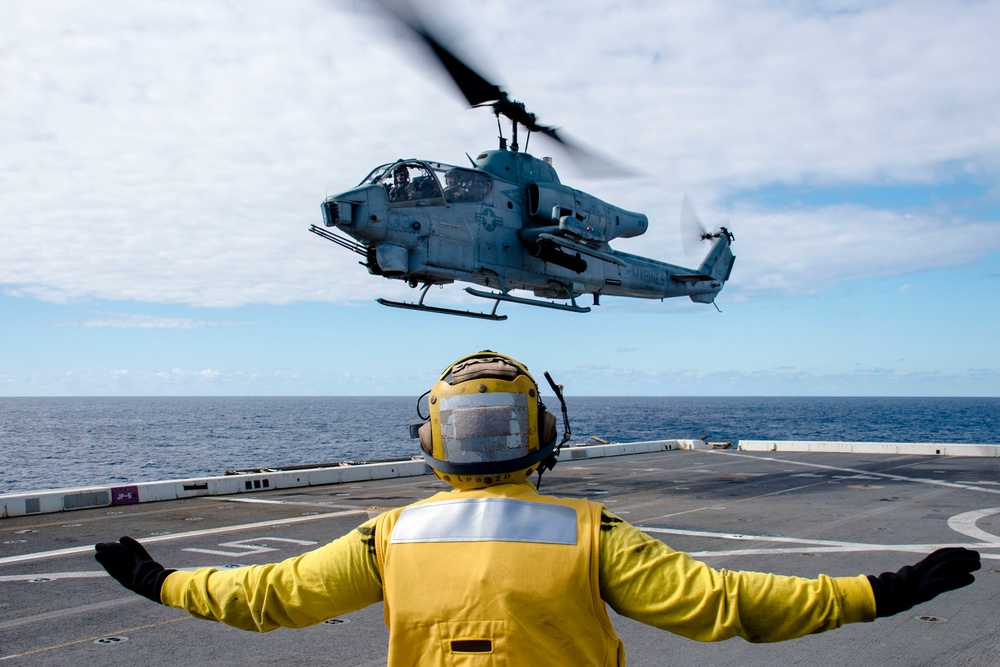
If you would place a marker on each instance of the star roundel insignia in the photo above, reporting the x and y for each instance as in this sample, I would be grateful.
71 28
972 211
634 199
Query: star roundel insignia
489 219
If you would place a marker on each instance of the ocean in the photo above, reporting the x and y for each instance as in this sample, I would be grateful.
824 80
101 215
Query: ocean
48 443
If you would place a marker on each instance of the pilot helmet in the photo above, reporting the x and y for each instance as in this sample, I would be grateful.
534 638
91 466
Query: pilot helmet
401 171
487 424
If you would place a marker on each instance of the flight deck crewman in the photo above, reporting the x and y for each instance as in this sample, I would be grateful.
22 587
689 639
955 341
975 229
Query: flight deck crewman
492 572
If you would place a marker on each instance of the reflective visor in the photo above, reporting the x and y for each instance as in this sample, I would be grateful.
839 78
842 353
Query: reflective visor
490 426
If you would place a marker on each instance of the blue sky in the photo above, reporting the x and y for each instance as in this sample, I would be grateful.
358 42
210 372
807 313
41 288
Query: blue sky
162 164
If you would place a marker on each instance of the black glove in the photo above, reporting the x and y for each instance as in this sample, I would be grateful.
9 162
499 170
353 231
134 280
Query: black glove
944 570
128 562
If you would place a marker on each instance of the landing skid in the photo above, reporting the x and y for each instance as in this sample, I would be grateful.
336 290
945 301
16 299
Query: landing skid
443 311
502 296
497 297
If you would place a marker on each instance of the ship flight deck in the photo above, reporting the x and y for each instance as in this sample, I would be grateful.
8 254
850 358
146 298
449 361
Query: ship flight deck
789 512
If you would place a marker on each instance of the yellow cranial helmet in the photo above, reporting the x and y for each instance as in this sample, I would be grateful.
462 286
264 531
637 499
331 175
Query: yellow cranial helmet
487 423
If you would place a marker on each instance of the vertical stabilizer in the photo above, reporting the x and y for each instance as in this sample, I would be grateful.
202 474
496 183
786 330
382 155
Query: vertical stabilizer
717 266
719 262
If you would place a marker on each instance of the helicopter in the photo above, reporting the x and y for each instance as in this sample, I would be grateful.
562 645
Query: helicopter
504 223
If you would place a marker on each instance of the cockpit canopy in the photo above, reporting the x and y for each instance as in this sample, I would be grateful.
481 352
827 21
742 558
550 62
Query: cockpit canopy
414 182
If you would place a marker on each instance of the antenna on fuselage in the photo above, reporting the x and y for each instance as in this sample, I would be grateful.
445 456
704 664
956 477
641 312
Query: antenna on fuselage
503 139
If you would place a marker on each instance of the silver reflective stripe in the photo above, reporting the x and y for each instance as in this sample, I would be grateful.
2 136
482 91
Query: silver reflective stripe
486 520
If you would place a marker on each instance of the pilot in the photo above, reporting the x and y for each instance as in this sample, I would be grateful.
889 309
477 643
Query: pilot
401 189
476 186
453 188
492 571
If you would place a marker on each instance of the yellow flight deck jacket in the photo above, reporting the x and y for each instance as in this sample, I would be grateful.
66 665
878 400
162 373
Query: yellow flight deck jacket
503 575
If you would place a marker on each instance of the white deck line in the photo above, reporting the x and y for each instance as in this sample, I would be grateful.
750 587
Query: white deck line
909 448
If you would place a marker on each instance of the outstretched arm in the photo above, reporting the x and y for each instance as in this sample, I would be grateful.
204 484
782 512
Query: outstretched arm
645 580
337 578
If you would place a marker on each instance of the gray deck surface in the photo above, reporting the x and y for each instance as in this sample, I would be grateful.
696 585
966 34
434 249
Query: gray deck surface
800 514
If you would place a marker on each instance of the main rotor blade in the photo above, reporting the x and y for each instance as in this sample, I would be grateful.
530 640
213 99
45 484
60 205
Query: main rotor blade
593 164
476 89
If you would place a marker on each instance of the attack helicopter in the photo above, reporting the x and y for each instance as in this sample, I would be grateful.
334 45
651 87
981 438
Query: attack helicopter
506 222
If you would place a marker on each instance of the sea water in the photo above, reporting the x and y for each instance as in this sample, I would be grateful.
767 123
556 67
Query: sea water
50 443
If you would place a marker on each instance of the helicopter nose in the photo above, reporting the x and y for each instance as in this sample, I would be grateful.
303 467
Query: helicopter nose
336 212
360 212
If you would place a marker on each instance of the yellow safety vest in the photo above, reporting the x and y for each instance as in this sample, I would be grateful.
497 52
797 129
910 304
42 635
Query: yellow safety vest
495 576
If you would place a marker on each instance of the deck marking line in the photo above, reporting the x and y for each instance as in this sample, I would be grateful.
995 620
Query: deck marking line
324 505
906 548
965 523
249 546
23 654
176 536
800 540
901 478
70 611
824 546
743 500
262 501
52 576
93 574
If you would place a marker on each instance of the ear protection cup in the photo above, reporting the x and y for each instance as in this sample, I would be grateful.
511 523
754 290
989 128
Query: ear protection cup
425 438
546 427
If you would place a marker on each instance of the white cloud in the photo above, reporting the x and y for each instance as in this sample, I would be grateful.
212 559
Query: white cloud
177 153
861 380
807 251
133 321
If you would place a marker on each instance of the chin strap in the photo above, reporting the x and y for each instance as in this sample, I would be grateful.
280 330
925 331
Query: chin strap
550 462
